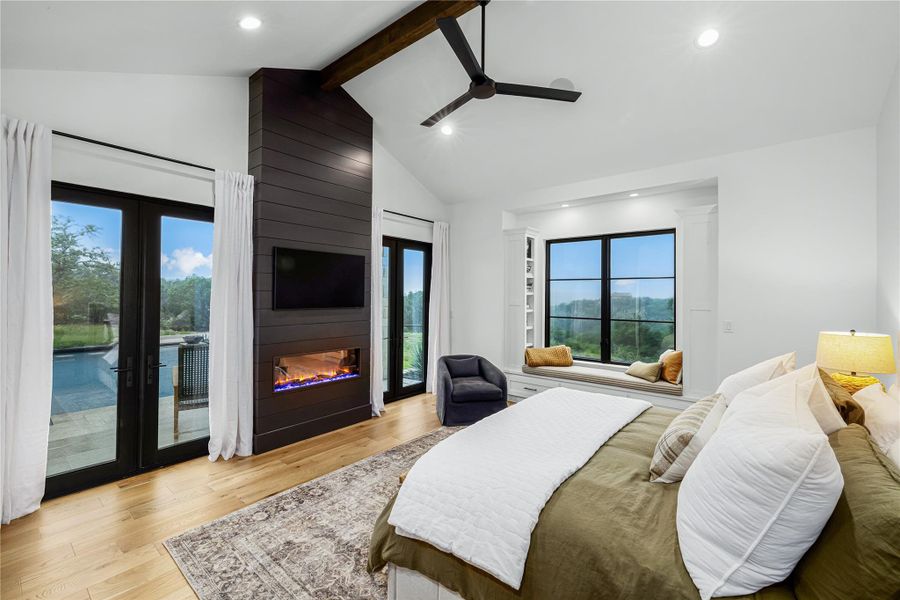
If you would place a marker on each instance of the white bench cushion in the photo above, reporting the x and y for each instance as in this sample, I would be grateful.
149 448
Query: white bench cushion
610 378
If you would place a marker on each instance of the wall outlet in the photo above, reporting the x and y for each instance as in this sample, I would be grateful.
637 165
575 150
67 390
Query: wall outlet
728 327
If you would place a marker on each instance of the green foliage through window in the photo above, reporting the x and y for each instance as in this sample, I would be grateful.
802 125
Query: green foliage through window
86 290
640 317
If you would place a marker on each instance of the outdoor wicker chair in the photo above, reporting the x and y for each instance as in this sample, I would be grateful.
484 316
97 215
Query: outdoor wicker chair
190 379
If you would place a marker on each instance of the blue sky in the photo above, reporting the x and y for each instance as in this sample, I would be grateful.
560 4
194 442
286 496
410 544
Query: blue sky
109 221
644 256
186 248
413 270
186 244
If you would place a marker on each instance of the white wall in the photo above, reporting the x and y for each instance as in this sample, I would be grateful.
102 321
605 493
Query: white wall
395 188
476 281
197 119
794 258
888 300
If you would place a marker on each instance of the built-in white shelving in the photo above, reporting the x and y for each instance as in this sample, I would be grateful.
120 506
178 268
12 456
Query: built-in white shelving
522 294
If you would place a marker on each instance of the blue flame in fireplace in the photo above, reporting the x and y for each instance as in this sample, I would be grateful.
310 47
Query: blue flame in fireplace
295 384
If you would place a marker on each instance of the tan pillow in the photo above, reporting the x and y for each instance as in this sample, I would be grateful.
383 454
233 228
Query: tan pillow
683 439
554 356
849 408
647 371
672 366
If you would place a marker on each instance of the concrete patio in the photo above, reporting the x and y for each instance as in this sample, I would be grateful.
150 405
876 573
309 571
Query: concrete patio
88 437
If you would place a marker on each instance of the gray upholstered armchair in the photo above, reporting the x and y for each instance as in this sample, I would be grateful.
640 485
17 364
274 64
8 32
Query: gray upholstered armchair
469 388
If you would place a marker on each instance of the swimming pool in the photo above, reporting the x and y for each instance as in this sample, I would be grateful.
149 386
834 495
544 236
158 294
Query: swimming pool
83 380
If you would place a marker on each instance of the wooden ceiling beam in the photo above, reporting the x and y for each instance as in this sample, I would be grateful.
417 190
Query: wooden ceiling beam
403 32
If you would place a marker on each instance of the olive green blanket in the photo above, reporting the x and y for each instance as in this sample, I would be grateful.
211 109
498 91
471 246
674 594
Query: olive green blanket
607 532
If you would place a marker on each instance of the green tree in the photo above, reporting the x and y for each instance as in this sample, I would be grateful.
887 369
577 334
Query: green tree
85 277
630 341
184 303
413 306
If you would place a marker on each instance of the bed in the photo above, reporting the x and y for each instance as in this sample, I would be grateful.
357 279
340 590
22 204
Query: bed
607 532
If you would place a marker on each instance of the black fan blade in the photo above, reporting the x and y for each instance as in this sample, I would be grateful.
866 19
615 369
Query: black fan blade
452 31
433 119
533 91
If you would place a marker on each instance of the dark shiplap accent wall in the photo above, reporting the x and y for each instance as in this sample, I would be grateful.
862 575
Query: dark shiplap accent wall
311 155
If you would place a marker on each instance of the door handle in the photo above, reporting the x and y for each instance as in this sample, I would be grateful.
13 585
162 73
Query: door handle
128 369
151 365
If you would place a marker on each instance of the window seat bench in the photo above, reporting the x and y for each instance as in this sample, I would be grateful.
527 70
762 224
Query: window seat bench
607 378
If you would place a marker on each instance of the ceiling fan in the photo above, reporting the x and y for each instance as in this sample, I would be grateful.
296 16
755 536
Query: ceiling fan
483 87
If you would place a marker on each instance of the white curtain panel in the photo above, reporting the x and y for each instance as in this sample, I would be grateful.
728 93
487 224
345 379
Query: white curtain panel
439 301
376 359
26 324
231 319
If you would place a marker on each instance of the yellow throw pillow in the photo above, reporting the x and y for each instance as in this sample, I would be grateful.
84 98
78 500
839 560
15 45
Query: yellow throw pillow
554 356
671 367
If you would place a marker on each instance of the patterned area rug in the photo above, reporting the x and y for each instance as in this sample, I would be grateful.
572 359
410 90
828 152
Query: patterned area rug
311 541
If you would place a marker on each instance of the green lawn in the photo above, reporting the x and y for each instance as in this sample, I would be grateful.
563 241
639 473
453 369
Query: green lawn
79 335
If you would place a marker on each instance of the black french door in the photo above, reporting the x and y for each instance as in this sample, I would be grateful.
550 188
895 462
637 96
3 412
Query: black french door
131 283
406 282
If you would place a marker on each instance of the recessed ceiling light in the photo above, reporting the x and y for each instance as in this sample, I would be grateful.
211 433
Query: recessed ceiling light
446 130
633 195
565 206
250 23
707 38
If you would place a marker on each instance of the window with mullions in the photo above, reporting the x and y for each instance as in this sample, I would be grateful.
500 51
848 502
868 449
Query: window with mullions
611 298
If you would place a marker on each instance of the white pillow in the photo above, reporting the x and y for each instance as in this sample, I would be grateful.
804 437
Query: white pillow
757 496
882 419
759 373
811 386
821 405
895 391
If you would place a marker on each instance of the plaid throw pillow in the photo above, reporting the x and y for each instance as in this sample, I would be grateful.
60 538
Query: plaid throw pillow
682 440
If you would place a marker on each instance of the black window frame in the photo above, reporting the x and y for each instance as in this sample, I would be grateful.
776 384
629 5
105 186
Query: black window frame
606 280
396 390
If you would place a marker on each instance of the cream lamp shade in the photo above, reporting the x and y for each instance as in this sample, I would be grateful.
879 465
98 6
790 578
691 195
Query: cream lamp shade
855 352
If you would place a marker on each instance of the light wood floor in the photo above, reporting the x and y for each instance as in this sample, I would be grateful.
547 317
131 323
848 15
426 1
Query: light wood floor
107 542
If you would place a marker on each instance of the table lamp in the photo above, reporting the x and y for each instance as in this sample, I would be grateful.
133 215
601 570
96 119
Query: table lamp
849 351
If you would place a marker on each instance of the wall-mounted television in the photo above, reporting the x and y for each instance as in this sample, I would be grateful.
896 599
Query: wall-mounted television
307 279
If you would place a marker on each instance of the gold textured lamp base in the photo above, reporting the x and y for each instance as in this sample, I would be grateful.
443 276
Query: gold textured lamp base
854 383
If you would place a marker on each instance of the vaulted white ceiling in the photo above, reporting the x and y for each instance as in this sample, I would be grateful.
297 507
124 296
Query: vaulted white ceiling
781 71
186 37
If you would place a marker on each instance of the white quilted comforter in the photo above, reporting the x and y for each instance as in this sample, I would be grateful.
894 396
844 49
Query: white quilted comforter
478 494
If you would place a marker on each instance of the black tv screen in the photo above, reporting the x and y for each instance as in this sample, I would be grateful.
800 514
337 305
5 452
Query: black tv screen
306 279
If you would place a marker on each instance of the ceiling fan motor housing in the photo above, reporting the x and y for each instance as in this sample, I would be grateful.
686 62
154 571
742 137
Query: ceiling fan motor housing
483 89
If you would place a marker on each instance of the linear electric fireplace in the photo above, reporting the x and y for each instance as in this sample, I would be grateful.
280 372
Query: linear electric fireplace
300 371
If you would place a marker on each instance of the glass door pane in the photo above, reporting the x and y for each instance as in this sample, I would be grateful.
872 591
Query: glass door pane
386 325
86 251
414 317
185 279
